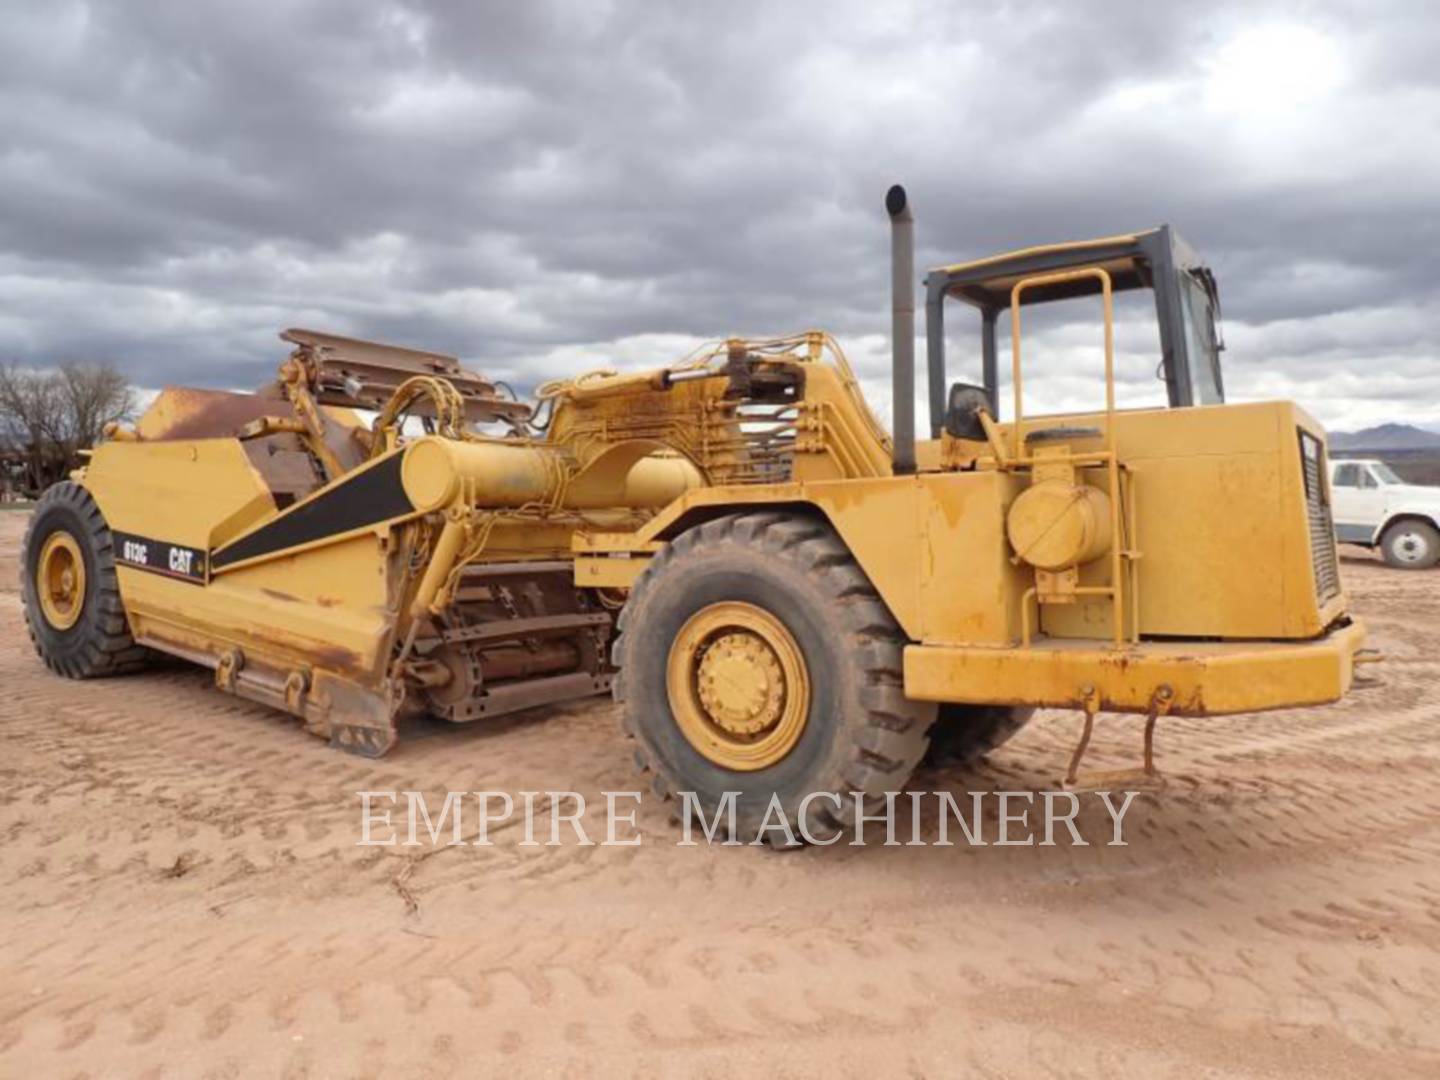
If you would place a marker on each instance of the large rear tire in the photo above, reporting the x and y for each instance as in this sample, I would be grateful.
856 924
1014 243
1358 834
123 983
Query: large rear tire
756 657
965 733
72 596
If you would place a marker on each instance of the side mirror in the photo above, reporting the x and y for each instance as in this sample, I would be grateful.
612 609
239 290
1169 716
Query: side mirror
962 412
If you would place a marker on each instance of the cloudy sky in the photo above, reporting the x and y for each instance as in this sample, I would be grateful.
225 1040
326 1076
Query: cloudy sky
543 188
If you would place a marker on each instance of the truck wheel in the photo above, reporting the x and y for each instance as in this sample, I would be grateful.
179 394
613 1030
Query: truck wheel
1411 544
964 733
72 598
756 658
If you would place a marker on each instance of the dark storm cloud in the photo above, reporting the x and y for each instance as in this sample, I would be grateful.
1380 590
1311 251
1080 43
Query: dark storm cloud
540 185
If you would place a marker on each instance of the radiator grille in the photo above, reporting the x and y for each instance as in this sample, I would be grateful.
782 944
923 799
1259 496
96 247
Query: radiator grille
1322 526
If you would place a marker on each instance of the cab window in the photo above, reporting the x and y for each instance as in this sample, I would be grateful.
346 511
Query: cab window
1064 367
1200 347
1347 476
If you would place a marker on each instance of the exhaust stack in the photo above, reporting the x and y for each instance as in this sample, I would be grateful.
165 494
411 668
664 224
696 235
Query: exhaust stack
902 328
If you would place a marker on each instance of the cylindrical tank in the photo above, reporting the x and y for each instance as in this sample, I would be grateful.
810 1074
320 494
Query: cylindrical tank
1055 525
503 474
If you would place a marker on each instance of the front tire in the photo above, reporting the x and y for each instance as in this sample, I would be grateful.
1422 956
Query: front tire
756 658
72 596
1411 544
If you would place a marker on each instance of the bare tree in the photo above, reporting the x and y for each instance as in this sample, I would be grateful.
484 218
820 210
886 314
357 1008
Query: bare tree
30 412
92 395
47 417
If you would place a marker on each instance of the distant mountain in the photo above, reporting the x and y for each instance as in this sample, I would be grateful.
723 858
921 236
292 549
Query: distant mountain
1386 437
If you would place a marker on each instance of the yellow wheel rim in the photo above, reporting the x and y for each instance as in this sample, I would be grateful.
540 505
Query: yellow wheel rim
738 686
60 580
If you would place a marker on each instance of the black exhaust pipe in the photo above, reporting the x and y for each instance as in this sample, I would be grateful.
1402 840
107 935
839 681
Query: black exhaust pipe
902 328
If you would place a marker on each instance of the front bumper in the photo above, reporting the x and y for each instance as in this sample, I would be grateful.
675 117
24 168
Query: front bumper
1203 678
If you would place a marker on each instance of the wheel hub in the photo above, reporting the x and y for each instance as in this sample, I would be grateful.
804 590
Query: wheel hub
741 684
738 686
1412 547
60 580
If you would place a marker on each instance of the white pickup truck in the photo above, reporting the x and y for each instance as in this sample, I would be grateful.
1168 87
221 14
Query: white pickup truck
1375 508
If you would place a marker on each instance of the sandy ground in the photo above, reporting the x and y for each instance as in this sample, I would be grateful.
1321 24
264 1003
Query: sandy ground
184 896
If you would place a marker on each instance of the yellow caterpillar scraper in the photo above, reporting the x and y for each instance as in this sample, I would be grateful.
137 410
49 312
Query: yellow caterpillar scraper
341 571
808 604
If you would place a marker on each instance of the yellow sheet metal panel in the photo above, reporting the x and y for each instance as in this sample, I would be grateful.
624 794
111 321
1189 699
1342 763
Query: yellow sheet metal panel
930 454
177 491
325 608
837 436
882 523
968 589
1165 432
351 573
879 519
601 572
528 539
1205 678
1209 529
934 547
1220 514
933 544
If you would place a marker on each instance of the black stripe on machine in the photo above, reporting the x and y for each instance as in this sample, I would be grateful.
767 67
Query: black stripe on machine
159 556
365 497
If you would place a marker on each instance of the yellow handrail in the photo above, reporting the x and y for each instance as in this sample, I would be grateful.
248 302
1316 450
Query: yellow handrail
1116 589
1108 300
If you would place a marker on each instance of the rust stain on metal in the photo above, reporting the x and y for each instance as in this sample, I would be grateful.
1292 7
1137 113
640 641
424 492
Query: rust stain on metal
188 413
335 658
